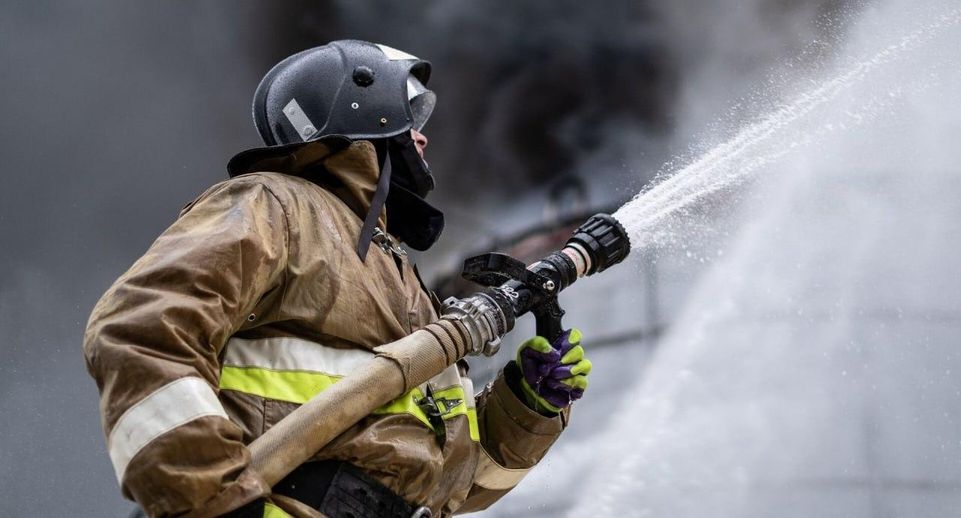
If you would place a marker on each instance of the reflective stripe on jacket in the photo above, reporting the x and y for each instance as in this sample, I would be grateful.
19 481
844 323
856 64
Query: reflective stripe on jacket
295 370
252 302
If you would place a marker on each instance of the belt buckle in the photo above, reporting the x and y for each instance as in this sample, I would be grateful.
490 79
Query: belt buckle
421 512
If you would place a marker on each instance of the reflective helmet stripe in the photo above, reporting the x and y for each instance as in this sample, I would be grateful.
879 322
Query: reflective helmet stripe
299 120
394 54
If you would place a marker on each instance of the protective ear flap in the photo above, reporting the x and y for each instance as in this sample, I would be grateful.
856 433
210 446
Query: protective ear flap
410 170
414 221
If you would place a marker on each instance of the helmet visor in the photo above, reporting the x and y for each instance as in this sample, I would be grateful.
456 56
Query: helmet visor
422 101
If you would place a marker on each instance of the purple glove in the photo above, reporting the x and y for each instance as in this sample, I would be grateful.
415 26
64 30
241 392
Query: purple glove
554 375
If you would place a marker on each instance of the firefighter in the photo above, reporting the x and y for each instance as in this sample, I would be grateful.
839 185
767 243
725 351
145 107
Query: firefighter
272 285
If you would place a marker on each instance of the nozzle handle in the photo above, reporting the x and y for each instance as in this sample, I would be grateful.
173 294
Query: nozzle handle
547 319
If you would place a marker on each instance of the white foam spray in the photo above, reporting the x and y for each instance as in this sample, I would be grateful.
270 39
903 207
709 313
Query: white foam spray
664 214
699 434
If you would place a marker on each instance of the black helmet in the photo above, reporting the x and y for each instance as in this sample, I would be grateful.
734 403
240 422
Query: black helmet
352 88
359 91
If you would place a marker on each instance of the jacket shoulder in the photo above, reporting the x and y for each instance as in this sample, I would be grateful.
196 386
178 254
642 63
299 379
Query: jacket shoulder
288 190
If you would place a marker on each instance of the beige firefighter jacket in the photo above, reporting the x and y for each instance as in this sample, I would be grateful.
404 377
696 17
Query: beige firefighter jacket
255 300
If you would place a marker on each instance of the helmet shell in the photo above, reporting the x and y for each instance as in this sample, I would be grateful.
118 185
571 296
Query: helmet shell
351 88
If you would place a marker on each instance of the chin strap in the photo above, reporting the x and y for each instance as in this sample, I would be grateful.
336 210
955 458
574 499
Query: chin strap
376 206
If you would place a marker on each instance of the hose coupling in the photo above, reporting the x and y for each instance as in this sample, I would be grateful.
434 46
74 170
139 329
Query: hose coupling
483 319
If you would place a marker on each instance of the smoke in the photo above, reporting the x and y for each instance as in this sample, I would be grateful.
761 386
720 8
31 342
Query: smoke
527 88
536 92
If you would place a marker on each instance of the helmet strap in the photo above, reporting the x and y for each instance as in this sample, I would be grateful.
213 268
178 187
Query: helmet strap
376 207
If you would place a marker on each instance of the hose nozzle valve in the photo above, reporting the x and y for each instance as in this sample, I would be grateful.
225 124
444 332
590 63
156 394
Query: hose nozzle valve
515 289
599 243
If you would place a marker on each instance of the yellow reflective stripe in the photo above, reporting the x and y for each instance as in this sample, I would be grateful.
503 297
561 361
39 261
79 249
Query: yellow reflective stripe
272 511
468 385
472 424
462 408
406 404
301 386
292 386
452 393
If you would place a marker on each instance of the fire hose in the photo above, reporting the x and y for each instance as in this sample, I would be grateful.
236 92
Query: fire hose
472 325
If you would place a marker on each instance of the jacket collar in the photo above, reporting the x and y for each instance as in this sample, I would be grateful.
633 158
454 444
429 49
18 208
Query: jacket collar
355 171
348 169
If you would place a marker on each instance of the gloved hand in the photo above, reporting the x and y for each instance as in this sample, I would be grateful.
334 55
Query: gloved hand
554 375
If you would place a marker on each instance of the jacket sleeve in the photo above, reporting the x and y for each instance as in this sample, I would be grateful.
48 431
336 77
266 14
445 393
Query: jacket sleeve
513 439
153 340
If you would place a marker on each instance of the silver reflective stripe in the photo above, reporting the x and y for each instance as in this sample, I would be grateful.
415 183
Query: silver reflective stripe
449 377
468 385
414 87
293 354
299 120
289 353
394 54
491 475
166 408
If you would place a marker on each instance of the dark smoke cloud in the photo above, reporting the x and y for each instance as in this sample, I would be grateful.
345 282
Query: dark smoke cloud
527 87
